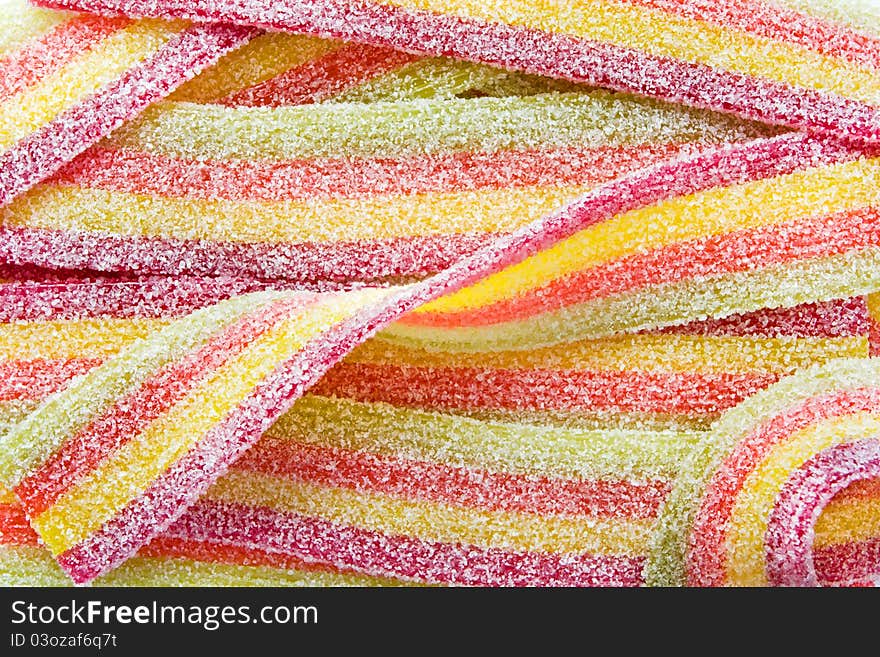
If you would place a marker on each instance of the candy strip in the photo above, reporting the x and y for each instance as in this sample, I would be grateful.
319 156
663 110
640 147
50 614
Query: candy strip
757 59
95 526
378 191
714 523
800 503
74 82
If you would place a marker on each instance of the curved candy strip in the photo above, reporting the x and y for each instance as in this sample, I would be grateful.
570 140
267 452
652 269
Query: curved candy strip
730 231
713 526
342 191
217 400
166 561
72 82
759 59
791 529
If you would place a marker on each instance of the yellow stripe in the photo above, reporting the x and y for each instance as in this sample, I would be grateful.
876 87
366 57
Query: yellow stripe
96 337
423 126
27 565
431 521
263 58
848 521
494 446
873 301
754 503
86 74
20 22
666 35
835 277
7 496
431 77
127 473
717 211
633 353
176 571
312 220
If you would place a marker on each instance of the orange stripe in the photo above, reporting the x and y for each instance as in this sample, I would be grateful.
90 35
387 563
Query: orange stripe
741 250
777 23
264 180
14 526
167 546
37 379
454 389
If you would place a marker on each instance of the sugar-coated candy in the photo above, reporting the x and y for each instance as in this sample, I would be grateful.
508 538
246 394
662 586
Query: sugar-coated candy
67 80
369 299
782 62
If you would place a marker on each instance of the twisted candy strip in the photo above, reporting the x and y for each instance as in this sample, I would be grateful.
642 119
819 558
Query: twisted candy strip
361 487
782 62
220 399
66 81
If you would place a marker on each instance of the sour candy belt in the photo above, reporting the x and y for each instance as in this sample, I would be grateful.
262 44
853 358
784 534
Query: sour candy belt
359 488
801 63
68 80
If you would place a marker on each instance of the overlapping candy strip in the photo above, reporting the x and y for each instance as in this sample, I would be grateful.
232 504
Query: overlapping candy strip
67 80
783 62
90 538
744 510
342 191
327 458
514 243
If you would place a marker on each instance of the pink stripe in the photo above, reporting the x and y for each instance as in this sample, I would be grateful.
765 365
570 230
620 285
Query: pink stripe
154 297
545 53
848 562
779 24
791 530
43 152
315 539
339 262
839 318
180 486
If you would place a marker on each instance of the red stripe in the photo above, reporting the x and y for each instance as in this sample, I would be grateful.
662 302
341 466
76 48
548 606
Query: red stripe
838 318
453 389
322 265
400 556
191 475
790 528
36 379
101 296
707 548
458 486
128 417
848 562
48 53
208 552
754 249
348 177
345 68
15 528
555 55
777 23
44 151
874 336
